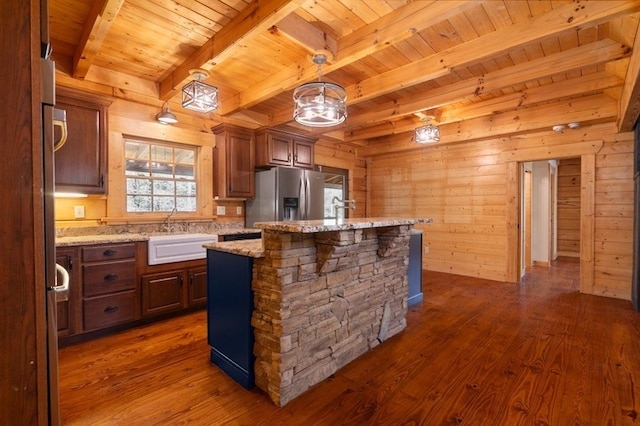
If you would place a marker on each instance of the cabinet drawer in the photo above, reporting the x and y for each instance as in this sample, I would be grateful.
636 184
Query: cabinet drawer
108 252
108 277
109 310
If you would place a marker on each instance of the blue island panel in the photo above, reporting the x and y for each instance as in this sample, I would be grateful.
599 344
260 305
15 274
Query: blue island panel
229 309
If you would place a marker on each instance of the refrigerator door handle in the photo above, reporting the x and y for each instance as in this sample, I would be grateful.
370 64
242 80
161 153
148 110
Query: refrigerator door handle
308 203
65 279
302 193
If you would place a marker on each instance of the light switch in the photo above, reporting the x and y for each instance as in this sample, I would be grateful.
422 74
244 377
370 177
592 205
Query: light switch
220 210
78 212
238 210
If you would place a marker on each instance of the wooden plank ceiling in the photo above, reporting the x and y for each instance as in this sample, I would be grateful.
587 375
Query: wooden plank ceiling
481 68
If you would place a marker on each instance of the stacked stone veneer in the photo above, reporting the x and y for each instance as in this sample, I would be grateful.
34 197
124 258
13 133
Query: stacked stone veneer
323 299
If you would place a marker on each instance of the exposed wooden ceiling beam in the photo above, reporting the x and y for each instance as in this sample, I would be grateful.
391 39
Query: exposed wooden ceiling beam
399 25
630 97
568 16
310 37
535 95
252 21
572 59
599 108
96 28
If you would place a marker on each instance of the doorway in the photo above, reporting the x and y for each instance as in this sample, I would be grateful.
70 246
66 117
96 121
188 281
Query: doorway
549 211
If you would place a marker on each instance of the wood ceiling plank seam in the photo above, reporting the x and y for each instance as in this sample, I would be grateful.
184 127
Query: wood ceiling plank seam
203 17
502 124
146 27
194 22
364 10
96 28
498 14
219 9
249 23
374 39
476 49
602 51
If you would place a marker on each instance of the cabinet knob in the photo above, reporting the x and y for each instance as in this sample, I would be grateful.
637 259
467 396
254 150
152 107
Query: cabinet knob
111 277
109 252
110 309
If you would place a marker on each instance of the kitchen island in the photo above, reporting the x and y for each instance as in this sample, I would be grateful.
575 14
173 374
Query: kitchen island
323 293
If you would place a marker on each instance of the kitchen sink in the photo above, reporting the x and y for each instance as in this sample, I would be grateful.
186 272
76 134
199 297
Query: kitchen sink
177 247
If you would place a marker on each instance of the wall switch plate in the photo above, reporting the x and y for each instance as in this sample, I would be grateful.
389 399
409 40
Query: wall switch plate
78 212
220 210
426 249
238 210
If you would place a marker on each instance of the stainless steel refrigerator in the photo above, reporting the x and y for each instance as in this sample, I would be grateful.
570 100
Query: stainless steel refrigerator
284 193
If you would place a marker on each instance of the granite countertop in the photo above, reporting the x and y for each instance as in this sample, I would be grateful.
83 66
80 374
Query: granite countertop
249 248
126 237
312 226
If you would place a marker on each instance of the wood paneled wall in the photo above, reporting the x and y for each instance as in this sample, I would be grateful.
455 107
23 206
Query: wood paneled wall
569 207
127 117
470 191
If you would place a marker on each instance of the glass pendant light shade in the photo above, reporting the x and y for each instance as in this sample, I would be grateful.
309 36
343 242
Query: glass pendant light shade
199 96
320 104
427 134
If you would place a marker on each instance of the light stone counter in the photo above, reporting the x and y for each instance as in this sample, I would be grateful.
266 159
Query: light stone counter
312 226
250 248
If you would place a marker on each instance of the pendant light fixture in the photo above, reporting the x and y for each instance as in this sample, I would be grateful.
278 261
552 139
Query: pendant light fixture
318 103
428 133
166 116
199 96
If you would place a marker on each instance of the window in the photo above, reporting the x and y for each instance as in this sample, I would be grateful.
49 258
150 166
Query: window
160 177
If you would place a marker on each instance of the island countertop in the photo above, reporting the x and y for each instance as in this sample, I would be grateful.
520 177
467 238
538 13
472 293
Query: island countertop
313 226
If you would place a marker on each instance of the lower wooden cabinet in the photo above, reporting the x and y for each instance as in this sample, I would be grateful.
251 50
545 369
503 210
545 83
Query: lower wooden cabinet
111 286
173 290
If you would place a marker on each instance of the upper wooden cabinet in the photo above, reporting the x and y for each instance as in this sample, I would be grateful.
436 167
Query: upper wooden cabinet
81 163
234 162
279 148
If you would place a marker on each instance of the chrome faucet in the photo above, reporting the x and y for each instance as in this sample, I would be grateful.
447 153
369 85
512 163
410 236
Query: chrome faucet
168 226
342 204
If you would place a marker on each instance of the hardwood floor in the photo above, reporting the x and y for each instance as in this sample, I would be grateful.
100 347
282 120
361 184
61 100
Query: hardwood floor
475 352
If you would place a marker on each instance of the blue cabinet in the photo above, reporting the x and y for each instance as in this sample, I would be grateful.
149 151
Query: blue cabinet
415 268
229 309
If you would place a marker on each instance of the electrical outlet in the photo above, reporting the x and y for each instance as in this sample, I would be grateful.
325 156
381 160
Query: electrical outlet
78 212
220 210
426 249
238 210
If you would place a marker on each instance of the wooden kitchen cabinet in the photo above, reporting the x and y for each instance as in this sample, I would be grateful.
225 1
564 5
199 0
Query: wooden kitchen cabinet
162 292
174 290
234 162
109 285
279 148
81 163
198 286
69 319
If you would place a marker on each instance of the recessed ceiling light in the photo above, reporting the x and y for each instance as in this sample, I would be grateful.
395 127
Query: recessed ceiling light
574 125
558 127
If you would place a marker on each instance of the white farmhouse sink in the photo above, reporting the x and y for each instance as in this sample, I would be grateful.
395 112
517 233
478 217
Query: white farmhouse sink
178 247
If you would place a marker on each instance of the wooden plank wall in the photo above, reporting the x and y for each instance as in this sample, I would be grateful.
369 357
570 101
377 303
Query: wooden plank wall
569 207
465 188
138 120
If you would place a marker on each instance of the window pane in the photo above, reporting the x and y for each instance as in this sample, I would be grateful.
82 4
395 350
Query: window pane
137 168
185 172
161 153
186 204
136 151
138 186
164 187
185 156
163 204
186 188
162 170
137 203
